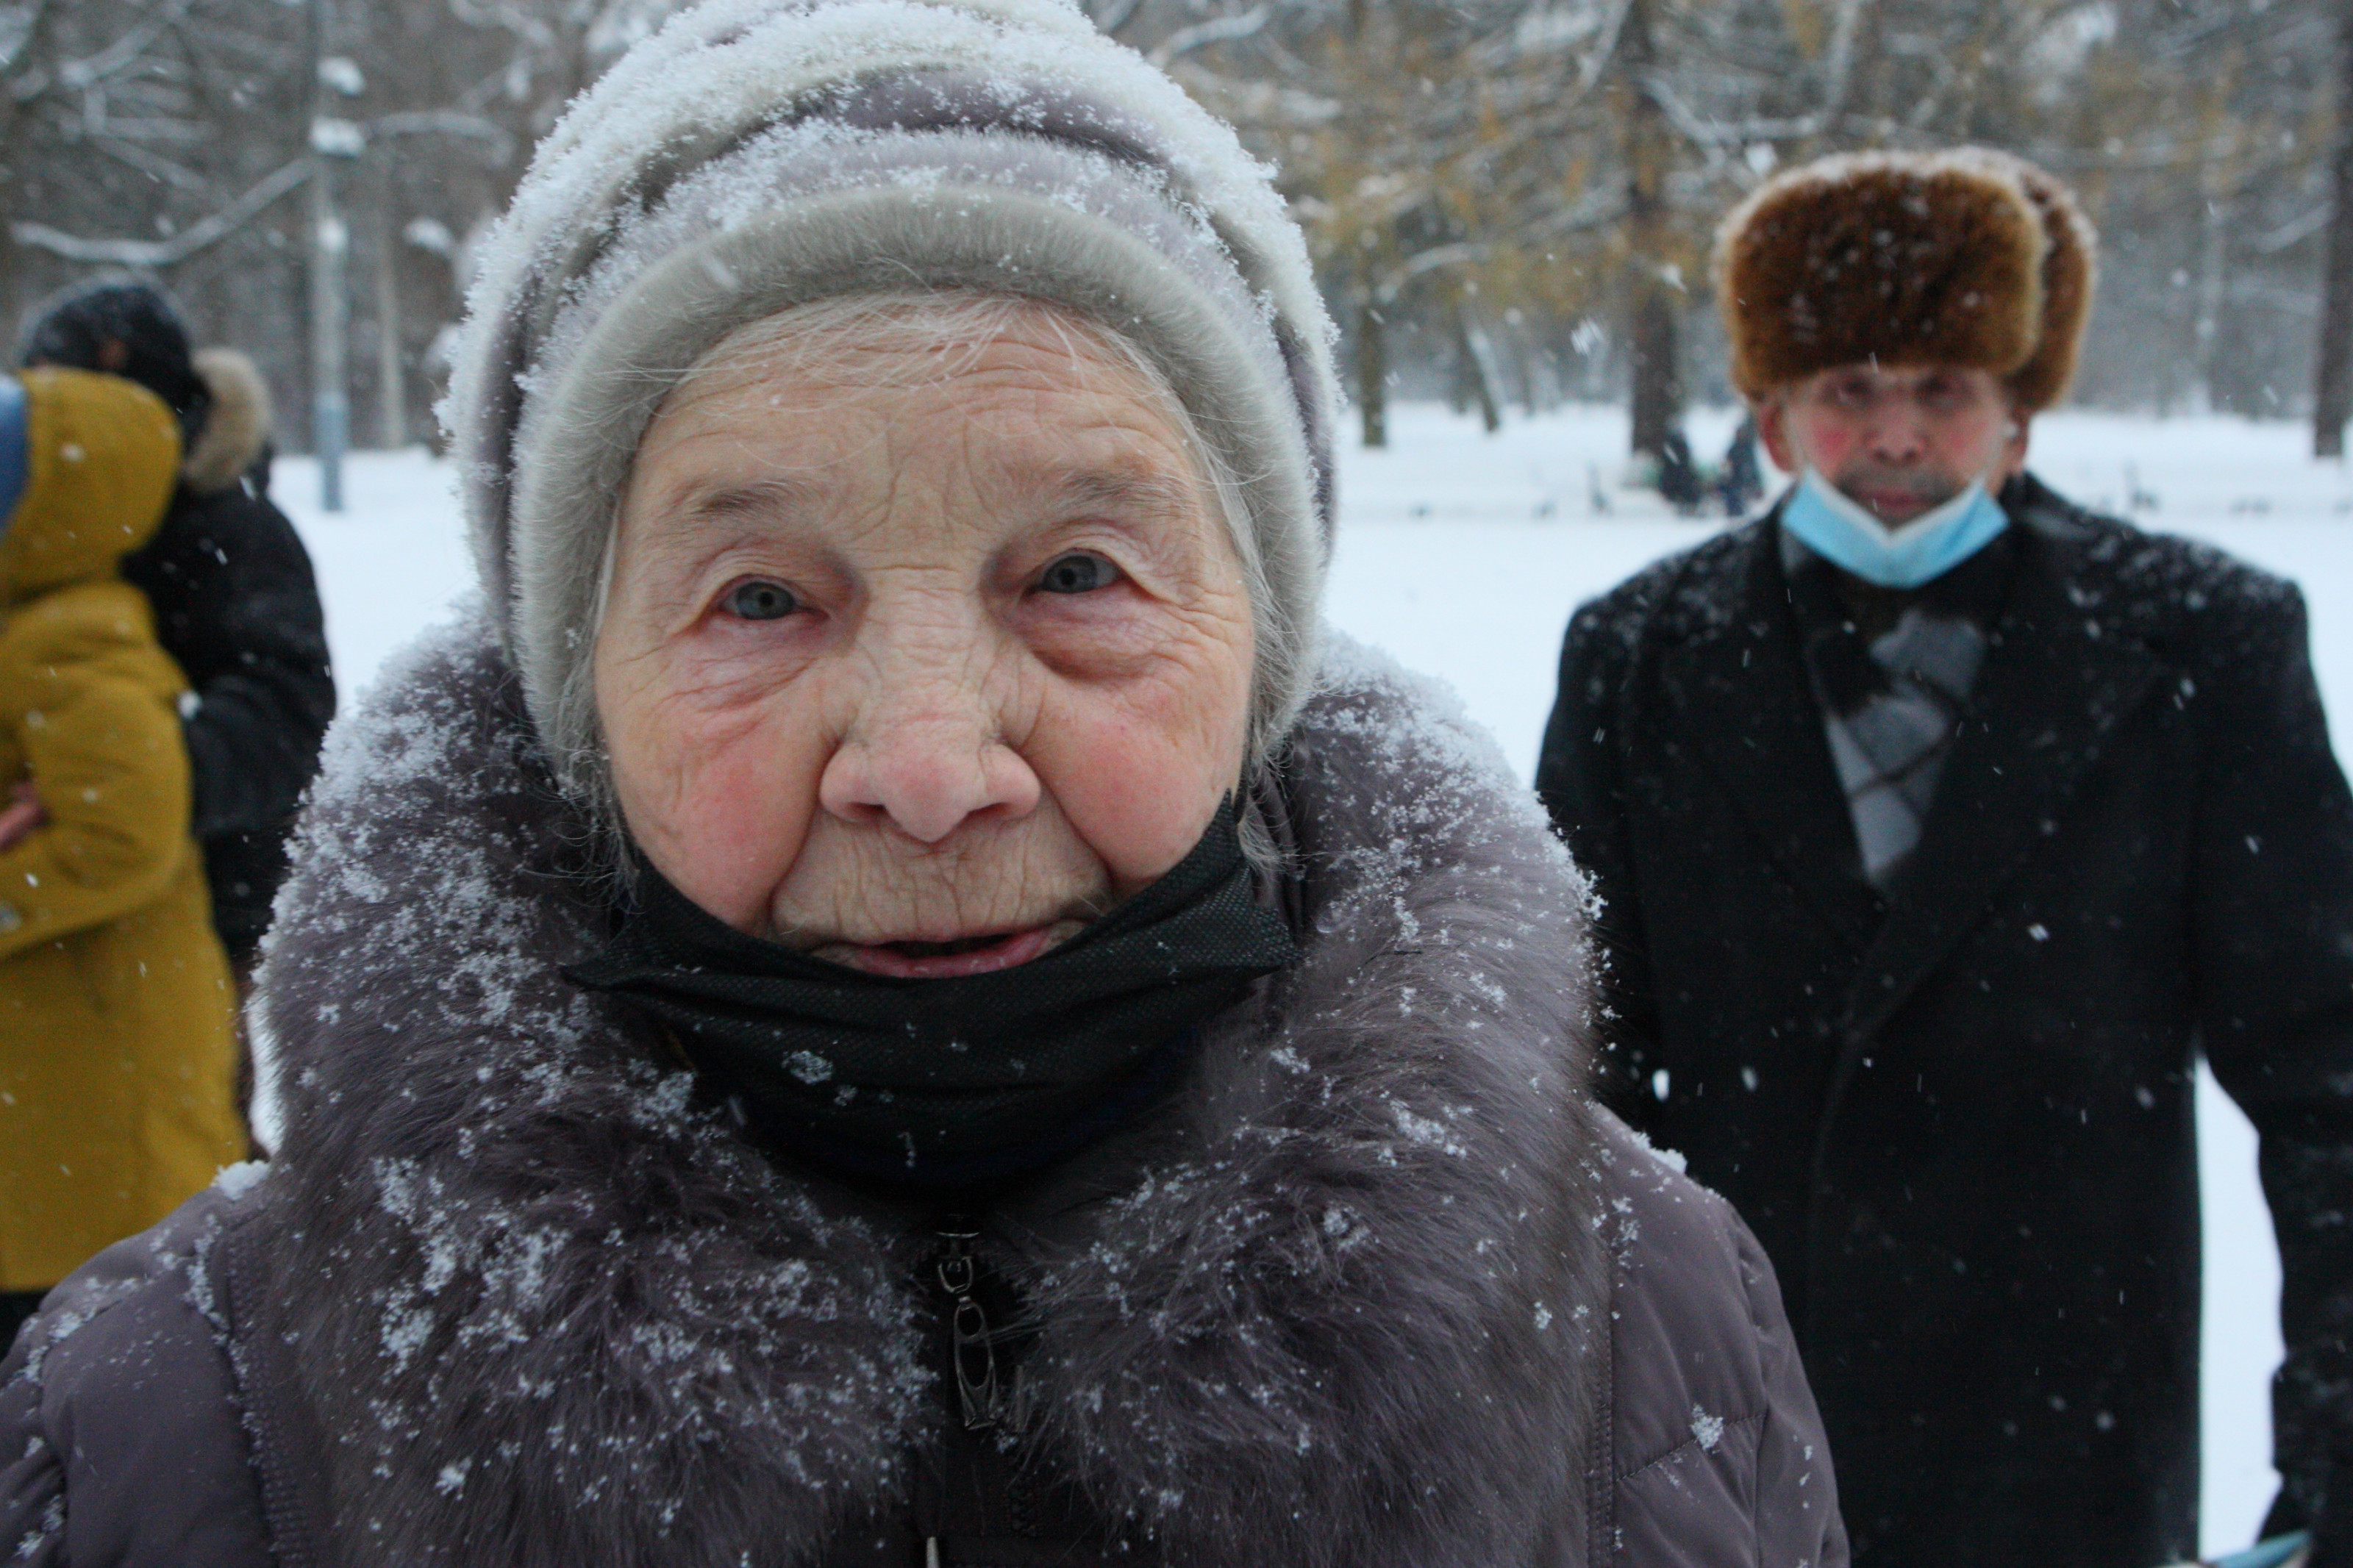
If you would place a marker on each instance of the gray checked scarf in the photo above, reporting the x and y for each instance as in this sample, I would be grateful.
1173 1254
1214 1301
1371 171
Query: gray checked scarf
1892 670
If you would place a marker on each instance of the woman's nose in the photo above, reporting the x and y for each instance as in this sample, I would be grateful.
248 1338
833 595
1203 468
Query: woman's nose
927 753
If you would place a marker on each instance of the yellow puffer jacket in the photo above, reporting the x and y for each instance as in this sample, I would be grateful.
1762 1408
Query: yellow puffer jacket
116 1006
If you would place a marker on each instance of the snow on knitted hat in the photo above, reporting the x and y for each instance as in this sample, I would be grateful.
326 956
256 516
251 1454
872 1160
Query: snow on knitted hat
1900 258
759 155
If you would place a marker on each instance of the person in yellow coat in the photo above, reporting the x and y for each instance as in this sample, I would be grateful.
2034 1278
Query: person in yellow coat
116 1008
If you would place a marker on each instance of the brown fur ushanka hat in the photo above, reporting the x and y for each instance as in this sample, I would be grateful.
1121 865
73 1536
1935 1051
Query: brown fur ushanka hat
1967 258
2070 271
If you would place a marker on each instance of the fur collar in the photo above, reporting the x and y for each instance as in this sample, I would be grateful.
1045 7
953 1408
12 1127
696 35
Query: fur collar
236 424
1338 1305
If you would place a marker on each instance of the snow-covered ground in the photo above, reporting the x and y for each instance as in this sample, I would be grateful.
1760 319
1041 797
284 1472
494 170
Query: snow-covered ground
1463 554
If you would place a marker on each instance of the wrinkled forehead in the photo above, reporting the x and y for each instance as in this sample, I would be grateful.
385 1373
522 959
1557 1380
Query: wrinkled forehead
920 428
1095 412
931 341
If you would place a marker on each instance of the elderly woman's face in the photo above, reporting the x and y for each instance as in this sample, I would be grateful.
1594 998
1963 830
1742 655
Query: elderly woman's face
920 657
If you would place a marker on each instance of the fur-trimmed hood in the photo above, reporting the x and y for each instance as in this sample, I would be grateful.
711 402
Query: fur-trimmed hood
237 420
1336 1305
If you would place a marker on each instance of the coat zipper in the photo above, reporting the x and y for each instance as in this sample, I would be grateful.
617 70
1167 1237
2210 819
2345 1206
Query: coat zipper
971 1349
971 1344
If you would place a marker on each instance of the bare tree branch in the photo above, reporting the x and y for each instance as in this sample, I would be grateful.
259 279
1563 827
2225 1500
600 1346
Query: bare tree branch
444 123
1111 16
123 54
151 255
2296 230
153 164
1601 207
510 18
1216 30
1838 70
1597 64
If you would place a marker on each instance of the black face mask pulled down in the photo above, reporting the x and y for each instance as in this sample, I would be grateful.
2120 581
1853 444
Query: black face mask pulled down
951 1081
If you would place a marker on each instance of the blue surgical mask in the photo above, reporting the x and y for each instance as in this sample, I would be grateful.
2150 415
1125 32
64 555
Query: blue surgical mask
1842 531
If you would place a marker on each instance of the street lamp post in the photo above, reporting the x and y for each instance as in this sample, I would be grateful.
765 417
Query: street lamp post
333 141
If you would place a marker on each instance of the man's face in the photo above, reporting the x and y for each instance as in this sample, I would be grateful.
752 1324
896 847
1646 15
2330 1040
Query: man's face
1898 441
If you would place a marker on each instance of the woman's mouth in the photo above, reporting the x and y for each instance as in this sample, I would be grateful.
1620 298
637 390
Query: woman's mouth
950 959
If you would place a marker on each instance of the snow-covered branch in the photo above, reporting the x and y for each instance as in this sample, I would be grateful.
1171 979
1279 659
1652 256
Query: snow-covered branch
1216 30
1597 209
152 254
1111 16
509 18
445 122
1590 71
2297 230
1838 70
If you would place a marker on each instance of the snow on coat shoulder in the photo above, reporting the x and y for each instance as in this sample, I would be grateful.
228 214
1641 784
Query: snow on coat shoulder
1383 1236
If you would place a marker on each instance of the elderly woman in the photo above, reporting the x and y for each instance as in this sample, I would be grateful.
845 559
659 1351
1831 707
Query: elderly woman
885 1000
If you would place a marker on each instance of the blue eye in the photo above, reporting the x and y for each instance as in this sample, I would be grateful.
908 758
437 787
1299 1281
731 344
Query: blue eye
759 601
1078 573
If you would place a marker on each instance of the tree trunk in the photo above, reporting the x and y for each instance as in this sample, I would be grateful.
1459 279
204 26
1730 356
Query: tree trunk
330 410
14 294
2332 397
1478 372
391 381
31 80
1651 305
1658 386
2206 331
1373 373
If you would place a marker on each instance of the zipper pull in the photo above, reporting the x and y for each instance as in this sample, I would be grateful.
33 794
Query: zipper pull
972 1346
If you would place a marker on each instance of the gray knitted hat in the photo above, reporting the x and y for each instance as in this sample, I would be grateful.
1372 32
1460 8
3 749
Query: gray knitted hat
759 155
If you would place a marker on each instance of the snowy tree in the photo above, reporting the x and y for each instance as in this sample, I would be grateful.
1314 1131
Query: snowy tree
1509 200
166 138
2333 376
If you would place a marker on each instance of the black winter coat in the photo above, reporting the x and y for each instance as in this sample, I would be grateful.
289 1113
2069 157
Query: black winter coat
237 607
1959 1119
1377 1285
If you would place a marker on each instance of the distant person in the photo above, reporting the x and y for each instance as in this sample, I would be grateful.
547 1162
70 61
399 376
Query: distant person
1939 825
236 604
1741 479
115 1000
1680 484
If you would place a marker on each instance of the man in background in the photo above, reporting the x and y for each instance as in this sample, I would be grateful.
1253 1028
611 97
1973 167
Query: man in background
1939 825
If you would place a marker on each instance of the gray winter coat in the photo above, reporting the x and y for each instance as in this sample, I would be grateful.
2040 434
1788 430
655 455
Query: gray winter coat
1377 1287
